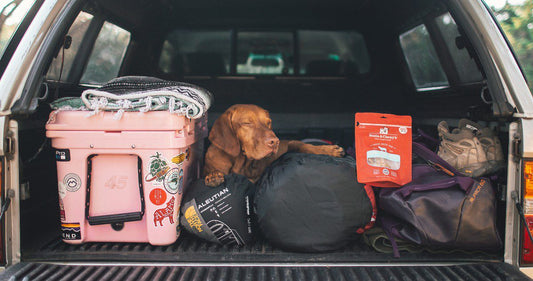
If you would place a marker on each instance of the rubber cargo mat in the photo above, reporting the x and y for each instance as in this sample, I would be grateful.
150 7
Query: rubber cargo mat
191 249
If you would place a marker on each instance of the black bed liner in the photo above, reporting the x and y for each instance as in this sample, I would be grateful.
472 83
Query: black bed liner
472 272
191 249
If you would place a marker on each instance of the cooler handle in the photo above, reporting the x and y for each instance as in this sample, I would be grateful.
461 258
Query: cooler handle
115 218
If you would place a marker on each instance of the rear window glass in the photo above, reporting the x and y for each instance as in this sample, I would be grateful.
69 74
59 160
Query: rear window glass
422 60
265 53
232 52
332 53
464 64
107 54
196 53
62 63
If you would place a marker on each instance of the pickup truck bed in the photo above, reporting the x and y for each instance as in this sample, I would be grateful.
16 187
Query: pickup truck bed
302 105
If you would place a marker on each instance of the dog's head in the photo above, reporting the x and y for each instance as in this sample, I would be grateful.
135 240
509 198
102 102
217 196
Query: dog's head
245 128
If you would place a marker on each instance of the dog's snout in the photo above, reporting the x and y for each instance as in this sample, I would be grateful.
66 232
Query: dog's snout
272 142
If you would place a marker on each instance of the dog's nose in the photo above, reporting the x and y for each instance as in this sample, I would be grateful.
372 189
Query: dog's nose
272 142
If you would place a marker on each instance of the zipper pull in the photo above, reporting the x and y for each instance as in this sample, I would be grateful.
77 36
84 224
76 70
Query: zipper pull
439 167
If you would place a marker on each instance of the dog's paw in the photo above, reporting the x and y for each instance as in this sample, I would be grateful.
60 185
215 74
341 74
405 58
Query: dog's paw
214 179
337 151
333 150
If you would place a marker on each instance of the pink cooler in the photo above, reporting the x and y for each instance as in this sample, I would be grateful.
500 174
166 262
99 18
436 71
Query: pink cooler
122 180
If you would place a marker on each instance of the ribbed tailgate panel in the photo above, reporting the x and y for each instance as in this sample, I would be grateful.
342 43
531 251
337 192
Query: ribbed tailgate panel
471 272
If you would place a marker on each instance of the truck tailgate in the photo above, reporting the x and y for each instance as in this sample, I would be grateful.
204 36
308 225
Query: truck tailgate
471 272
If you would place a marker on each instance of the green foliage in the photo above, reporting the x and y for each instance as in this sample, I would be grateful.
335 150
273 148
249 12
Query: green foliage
517 22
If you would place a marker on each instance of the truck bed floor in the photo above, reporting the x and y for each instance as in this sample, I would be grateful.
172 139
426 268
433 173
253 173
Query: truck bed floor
191 249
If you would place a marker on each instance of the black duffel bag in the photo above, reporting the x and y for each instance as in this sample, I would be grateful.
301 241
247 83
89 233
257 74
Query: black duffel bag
313 203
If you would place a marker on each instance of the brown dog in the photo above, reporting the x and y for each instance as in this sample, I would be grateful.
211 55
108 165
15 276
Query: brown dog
242 142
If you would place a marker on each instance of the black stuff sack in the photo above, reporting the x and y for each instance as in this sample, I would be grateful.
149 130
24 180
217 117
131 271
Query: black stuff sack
313 203
219 214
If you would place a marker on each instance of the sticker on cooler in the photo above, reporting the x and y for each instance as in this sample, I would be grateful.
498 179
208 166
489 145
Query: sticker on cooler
62 155
72 182
172 180
62 210
71 231
62 190
167 212
158 196
181 157
157 169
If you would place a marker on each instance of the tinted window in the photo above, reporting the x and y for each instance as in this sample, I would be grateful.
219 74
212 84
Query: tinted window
265 53
465 65
332 53
107 55
422 59
62 63
196 53
321 53
167 55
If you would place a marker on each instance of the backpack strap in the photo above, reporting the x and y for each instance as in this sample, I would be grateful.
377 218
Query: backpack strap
389 227
423 138
434 160
463 182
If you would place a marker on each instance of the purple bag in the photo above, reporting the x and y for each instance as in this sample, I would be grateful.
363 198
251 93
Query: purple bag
440 208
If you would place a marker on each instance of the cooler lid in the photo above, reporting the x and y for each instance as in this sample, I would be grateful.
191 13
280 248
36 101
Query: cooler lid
109 121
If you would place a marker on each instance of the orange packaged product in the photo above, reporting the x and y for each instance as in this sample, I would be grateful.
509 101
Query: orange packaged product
383 145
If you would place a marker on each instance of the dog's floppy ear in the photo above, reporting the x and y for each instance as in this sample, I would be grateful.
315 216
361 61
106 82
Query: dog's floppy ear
223 136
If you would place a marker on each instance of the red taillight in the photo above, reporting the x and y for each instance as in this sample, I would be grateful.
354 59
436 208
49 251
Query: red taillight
527 244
